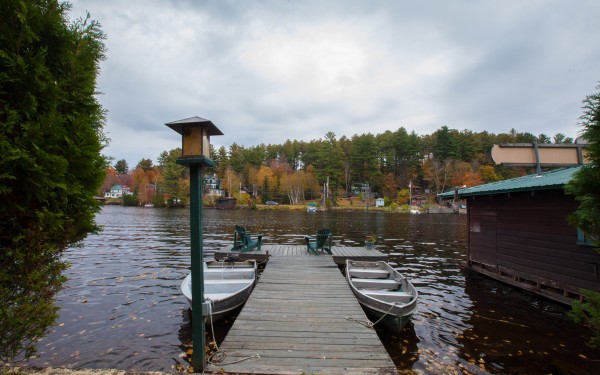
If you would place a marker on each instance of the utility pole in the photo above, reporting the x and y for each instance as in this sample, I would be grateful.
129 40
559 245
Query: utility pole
367 194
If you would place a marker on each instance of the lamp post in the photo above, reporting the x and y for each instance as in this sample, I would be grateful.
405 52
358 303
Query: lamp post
195 133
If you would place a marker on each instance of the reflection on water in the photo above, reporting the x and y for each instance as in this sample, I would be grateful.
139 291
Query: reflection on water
122 306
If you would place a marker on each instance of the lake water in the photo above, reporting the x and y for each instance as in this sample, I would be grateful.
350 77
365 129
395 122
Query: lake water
122 306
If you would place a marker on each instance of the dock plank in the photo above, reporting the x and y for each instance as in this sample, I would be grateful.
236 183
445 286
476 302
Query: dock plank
296 321
340 253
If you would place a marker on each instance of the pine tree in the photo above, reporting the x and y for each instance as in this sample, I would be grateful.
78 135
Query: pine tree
585 186
51 136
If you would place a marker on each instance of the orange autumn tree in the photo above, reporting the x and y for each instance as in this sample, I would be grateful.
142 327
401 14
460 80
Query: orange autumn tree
145 183
470 179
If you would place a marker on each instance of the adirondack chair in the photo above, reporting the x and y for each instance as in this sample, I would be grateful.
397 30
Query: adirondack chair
242 240
322 241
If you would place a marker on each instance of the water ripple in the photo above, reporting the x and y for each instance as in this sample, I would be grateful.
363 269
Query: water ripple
122 308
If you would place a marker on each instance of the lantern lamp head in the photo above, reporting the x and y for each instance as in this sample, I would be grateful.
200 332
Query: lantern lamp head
195 139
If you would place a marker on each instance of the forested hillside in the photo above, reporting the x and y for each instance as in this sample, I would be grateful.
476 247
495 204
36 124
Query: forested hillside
296 170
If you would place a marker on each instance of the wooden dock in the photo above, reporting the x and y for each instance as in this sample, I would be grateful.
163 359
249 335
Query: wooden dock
297 322
340 253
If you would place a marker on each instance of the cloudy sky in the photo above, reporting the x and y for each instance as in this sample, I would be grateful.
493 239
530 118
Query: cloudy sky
268 71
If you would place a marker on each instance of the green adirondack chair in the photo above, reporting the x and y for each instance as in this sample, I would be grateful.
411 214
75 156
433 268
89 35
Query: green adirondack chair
242 240
322 241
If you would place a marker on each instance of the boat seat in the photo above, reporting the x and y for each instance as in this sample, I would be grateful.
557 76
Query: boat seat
376 283
226 281
379 274
218 274
389 296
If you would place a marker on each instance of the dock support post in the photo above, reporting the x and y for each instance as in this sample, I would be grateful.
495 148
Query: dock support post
198 357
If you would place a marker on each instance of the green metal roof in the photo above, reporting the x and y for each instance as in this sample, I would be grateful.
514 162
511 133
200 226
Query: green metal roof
554 179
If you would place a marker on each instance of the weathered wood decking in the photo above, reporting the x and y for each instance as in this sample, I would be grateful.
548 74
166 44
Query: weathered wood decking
340 253
296 320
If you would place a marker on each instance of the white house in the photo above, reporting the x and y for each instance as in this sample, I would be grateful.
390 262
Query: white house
117 191
212 186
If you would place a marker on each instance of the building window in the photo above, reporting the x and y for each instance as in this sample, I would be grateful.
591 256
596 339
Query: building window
583 239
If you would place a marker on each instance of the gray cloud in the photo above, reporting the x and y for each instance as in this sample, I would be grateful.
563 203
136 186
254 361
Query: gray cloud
268 71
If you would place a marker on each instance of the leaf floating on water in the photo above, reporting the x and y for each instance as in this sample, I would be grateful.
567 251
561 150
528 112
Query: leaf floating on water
61 324
84 301
583 356
190 352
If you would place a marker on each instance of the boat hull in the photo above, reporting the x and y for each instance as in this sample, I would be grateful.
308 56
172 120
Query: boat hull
387 296
227 286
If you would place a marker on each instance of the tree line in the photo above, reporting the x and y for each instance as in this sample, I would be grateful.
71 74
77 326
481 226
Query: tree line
295 171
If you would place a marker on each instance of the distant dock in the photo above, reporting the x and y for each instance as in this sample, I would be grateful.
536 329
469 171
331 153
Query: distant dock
301 319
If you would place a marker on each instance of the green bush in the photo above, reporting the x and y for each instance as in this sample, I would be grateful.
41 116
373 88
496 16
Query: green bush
588 312
131 200
159 200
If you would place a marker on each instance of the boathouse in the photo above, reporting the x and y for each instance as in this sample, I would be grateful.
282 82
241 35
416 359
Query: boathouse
519 234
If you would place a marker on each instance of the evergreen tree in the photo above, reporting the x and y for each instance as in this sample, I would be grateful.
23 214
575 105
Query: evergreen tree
446 144
145 164
363 158
122 167
173 177
51 136
266 190
586 187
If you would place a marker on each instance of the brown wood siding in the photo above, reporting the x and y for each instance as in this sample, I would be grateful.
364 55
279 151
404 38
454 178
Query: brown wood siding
530 235
483 229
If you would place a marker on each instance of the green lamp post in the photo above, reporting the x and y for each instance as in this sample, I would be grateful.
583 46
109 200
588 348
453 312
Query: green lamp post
195 133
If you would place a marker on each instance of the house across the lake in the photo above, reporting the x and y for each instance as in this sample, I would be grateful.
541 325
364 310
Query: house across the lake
519 234
212 186
117 191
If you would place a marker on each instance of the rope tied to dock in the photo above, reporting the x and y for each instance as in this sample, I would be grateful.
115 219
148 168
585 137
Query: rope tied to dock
219 355
370 324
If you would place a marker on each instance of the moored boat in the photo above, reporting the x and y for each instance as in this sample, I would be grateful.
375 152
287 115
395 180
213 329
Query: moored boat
227 285
384 293
311 207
